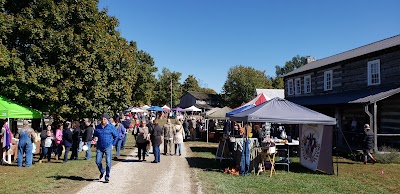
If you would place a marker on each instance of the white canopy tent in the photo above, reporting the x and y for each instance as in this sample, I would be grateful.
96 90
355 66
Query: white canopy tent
165 107
134 109
192 109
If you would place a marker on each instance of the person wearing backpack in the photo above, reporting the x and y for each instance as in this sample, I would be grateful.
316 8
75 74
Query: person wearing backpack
121 136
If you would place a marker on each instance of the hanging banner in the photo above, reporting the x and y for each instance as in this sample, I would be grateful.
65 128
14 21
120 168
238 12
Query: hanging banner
316 147
310 145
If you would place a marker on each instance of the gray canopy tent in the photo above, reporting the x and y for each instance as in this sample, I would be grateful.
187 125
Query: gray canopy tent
282 111
278 110
217 114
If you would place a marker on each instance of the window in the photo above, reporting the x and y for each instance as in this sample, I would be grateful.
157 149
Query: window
328 80
374 72
307 84
297 86
290 87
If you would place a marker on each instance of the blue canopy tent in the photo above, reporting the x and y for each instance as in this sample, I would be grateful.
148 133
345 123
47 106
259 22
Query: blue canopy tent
155 108
241 109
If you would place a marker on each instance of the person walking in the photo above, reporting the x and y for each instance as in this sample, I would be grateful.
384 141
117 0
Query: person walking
121 136
58 148
46 143
126 122
107 136
87 138
193 133
157 141
168 130
143 137
179 134
6 141
150 126
67 140
25 144
368 144
185 126
76 133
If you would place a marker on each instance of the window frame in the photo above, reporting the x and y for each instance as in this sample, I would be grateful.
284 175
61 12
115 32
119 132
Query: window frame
369 74
329 72
307 77
297 86
290 87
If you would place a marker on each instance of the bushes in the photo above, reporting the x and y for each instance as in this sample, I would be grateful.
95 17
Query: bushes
388 155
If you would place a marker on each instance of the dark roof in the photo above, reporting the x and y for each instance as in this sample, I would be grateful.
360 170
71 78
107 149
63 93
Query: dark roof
204 96
203 106
363 50
353 96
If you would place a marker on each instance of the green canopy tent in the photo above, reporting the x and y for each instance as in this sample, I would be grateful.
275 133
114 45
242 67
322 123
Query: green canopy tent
10 109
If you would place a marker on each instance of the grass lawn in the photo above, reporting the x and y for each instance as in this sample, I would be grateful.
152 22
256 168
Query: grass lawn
354 177
54 177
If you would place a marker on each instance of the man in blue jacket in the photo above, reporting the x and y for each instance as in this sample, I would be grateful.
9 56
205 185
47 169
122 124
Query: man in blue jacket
107 136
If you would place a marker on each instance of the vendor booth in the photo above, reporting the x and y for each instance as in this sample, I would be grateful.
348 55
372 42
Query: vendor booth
315 135
12 110
213 128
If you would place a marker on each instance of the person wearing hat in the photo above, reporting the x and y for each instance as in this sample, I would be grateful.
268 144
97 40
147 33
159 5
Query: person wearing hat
107 136
368 144
25 144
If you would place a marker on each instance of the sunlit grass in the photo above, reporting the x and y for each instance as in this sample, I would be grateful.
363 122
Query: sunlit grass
354 177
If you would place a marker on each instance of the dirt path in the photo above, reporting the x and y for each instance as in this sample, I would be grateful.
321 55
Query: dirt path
172 175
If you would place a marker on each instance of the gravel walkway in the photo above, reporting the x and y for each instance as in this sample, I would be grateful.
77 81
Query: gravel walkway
172 175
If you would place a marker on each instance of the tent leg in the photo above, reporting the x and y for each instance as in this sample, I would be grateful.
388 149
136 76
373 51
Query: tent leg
207 129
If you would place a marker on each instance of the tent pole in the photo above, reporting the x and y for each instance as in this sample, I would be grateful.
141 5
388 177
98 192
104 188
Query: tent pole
207 128
337 152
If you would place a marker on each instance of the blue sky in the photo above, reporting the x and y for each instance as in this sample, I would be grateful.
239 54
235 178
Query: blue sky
207 37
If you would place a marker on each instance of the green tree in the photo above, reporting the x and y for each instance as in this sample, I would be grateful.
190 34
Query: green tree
67 57
190 84
291 65
207 90
143 89
163 88
241 84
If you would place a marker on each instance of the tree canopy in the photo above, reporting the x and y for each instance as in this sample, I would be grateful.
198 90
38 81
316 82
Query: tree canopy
241 84
296 62
190 84
166 82
67 57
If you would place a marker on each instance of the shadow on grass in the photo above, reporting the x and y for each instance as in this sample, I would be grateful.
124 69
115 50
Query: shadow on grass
204 149
208 164
74 178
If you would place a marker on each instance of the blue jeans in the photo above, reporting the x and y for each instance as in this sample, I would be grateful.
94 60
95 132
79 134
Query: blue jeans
99 157
89 151
74 148
118 147
178 149
156 150
46 153
67 148
27 149
124 141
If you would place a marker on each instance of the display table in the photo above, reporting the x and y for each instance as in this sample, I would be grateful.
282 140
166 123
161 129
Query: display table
285 147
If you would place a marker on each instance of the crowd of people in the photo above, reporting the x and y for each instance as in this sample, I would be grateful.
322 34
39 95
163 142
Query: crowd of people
58 139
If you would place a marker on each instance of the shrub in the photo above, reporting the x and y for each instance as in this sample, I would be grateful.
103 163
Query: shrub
388 155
